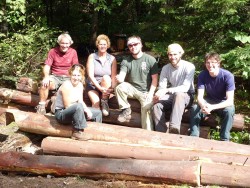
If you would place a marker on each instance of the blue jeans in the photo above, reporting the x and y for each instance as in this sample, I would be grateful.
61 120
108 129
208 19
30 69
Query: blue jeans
226 117
75 115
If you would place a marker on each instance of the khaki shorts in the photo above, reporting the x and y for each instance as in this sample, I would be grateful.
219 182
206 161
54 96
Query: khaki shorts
58 80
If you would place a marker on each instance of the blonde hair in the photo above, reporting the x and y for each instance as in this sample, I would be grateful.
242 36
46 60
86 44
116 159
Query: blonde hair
175 47
64 35
102 37
81 69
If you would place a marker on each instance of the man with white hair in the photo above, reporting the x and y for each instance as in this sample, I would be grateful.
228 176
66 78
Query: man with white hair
175 91
55 70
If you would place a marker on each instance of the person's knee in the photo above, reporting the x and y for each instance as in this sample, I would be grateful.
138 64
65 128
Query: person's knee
229 111
106 79
179 98
194 109
180 95
79 107
157 107
122 87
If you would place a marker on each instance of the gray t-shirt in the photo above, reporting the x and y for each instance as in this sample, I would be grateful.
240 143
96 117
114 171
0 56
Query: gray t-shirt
180 79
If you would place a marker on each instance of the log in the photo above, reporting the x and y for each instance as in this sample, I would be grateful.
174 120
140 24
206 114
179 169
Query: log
66 146
111 119
211 121
19 141
30 99
135 121
47 125
27 85
5 117
174 172
19 97
24 108
225 175
13 140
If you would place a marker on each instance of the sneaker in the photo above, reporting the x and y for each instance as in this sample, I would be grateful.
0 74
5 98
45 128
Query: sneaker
79 135
40 109
125 115
174 130
105 107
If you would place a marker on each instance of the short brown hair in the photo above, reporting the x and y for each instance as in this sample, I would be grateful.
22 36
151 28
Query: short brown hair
213 55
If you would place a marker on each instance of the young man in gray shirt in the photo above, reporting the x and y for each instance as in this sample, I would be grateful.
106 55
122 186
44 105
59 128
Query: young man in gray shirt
175 91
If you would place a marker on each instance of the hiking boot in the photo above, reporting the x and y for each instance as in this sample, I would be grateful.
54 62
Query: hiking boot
40 109
125 115
105 107
174 130
79 135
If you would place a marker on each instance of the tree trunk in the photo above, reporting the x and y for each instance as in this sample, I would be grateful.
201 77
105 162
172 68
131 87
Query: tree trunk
18 97
47 125
65 146
225 175
3 23
94 27
174 172
29 99
135 122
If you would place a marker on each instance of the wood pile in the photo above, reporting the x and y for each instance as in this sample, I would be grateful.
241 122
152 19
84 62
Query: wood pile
20 100
124 153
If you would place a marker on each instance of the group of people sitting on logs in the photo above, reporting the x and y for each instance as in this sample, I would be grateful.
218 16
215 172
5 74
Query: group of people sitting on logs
138 78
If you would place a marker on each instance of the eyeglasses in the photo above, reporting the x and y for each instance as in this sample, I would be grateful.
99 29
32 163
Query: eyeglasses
131 45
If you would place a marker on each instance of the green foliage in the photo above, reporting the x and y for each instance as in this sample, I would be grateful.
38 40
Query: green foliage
13 13
242 99
103 5
238 59
240 137
23 53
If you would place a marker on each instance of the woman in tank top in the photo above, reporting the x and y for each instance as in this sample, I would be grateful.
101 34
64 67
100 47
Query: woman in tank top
101 69
70 107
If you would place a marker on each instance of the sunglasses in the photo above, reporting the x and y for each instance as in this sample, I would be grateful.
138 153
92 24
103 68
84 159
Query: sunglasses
131 45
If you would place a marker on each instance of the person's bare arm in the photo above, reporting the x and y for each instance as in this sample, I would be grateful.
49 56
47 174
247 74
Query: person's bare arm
228 102
46 73
114 73
153 84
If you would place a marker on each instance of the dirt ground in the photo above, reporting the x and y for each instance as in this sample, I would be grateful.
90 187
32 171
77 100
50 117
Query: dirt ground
19 181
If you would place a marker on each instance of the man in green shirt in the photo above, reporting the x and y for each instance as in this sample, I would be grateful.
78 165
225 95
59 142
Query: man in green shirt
141 73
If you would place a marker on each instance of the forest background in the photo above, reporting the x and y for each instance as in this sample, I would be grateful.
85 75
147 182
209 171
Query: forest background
28 29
